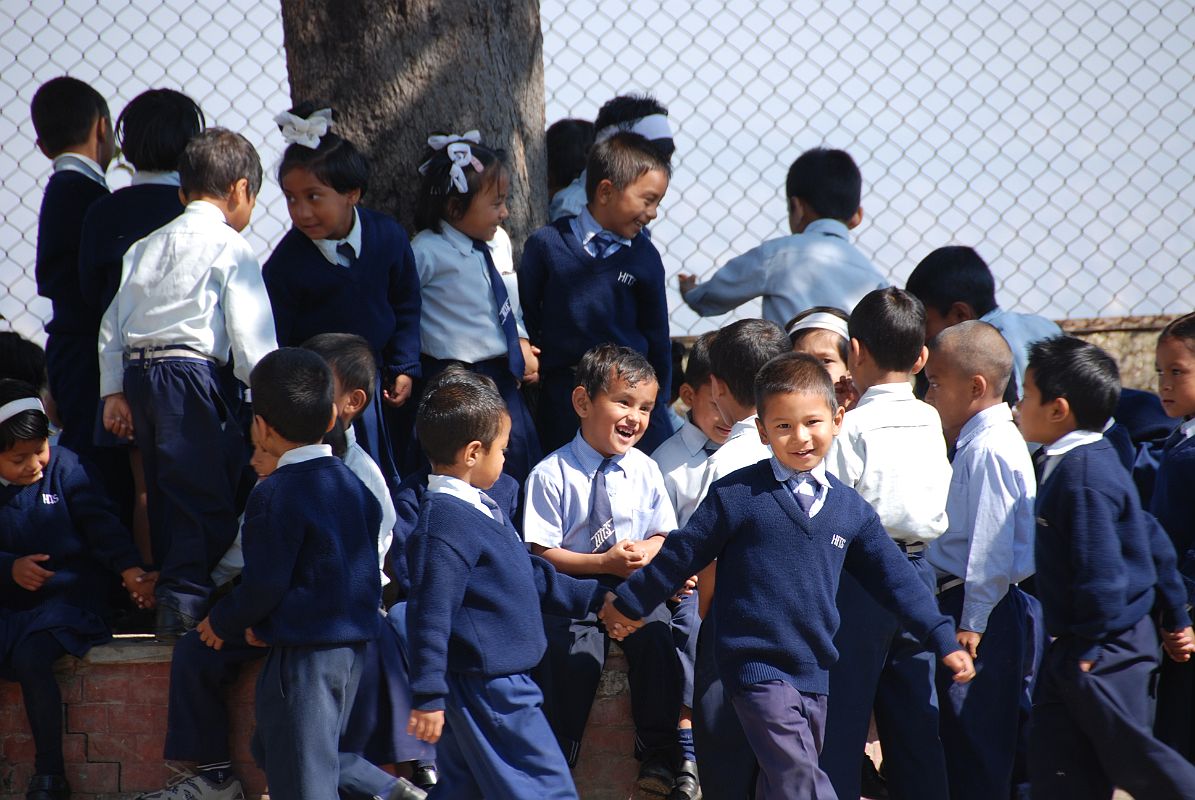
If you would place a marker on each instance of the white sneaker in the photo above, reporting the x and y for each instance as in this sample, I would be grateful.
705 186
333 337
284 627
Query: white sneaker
185 786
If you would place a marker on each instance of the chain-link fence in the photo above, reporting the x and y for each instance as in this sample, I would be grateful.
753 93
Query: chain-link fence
1055 137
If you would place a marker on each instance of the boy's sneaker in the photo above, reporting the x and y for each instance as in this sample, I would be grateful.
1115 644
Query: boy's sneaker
198 787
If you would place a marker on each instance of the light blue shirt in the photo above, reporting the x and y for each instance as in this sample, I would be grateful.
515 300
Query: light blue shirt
328 248
74 162
586 229
559 496
989 537
570 200
459 316
819 267
683 459
784 473
1020 331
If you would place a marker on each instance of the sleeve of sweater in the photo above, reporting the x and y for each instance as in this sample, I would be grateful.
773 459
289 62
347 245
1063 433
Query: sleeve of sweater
1172 593
653 322
93 516
1100 581
401 353
92 274
565 595
532 277
884 571
439 575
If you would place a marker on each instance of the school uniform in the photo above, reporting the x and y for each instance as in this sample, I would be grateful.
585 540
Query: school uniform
472 316
475 633
986 550
569 201
562 506
891 450
582 287
77 183
1020 331
774 649
817 267
1102 565
65 516
364 284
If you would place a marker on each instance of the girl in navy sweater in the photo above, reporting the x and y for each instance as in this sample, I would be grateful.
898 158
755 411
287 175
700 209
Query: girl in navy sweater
58 540
345 269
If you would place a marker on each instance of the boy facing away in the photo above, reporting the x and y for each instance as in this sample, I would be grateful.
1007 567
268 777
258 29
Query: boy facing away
190 296
785 522
1103 565
816 266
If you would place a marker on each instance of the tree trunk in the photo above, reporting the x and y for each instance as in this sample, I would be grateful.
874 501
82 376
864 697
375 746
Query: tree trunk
396 70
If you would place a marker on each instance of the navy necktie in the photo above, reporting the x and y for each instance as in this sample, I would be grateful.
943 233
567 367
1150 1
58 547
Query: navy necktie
345 250
1173 439
603 242
495 512
803 480
506 317
601 518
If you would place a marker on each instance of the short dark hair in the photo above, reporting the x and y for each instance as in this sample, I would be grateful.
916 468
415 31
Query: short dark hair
351 359
1068 367
976 348
293 393
697 365
22 359
622 159
890 323
438 198
455 412
568 142
844 345
1182 329
625 109
154 128
63 111
214 160
794 373
24 426
951 275
740 350
607 361
828 181
334 162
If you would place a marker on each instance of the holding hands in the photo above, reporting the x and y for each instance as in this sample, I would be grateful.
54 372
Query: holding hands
207 635
618 625
1179 645
117 416
140 586
426 726
959 662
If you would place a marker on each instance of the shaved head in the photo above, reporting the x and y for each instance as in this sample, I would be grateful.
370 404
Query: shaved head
975 348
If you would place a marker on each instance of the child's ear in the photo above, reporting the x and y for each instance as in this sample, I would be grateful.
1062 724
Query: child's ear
921 359
856 355
240 190
353 196
471 452
357 400
838 415
763 433
331 419
979 387
182 197
687 395
260 431
581 402
1059 409
855 219
604 191
960 312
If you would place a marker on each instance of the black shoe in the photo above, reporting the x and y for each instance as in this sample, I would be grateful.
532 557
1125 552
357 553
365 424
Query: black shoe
48 787
655 775
872 784
171 623
425 777
405 790
687 786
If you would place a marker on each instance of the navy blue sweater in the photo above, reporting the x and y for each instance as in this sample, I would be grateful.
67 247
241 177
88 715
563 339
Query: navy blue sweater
1173 503
476 598
1099 556
112 225
67 517
376 298
310 539
59 225
778 573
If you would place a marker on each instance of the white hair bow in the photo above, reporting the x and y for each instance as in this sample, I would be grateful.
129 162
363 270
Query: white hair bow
460 154
307 132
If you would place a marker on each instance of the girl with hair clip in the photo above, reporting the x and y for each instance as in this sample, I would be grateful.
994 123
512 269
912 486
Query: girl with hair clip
343 268
821 331
59 539
471 311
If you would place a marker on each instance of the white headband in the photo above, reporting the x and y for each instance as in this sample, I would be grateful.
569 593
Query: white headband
651 127
459 153
10 410
307 132
822 321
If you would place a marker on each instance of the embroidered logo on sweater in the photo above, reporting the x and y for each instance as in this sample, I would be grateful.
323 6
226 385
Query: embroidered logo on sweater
627 278
838 541
49 499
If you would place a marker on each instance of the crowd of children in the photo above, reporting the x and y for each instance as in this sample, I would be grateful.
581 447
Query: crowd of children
428 487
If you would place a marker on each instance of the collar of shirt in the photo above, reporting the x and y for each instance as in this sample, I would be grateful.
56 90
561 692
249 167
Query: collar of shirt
147 177
1187 428
327 247
743 426
203 208
783 472
305 453
591 459
73 162
457 239
586 228
350 435
886 393
993 317
446 484
1072 440
988 418
693 439
828 227
5 483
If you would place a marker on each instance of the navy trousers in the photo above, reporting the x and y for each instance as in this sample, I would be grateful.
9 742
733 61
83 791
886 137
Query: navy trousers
785 728
728 768
1175 720
1091 730
686 623
30 663
73 369
883 667
374 436
558 421
193 449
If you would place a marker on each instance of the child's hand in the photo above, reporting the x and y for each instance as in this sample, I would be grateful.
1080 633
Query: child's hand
140 586
531 360
622 559
118 417
399 393
618 625
251 639
207 635
686 590
1179 645
969 641
28 575
845 392
687 283
426 725
1085 666
959 662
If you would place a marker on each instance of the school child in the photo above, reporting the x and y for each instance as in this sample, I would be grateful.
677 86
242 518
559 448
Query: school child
822 332
59 538
598 507
955 284
25 361
74 130
892 452
1102 565
567 143
595 278
343 268
986 550
785 522
474 613
632 113
190 296
471 310
815 266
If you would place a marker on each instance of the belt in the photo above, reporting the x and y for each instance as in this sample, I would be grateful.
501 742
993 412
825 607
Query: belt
948 582
912 548
142 355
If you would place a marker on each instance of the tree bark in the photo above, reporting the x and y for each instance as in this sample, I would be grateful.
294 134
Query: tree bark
396 70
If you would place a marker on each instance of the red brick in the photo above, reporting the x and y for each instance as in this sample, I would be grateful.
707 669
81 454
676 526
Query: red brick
611 711
112 747
13 719
74 746
17 778
137 719
87 718
19 748
609 742
10 692
72 689
107 687
90 778
153 690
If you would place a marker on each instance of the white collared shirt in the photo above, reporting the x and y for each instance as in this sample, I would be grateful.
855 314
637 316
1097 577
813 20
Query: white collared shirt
362 465
682 460
328 248
1187 428
784 473
742 449
446 484
307 452
74 162
147 177
1063 445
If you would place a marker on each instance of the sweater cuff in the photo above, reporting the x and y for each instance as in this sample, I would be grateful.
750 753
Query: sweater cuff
428 702
625 607
1090 648
944 641
1176 619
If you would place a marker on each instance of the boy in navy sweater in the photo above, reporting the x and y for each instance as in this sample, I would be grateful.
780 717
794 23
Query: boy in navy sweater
597 278
785 522
1102 565
309 589
474 614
